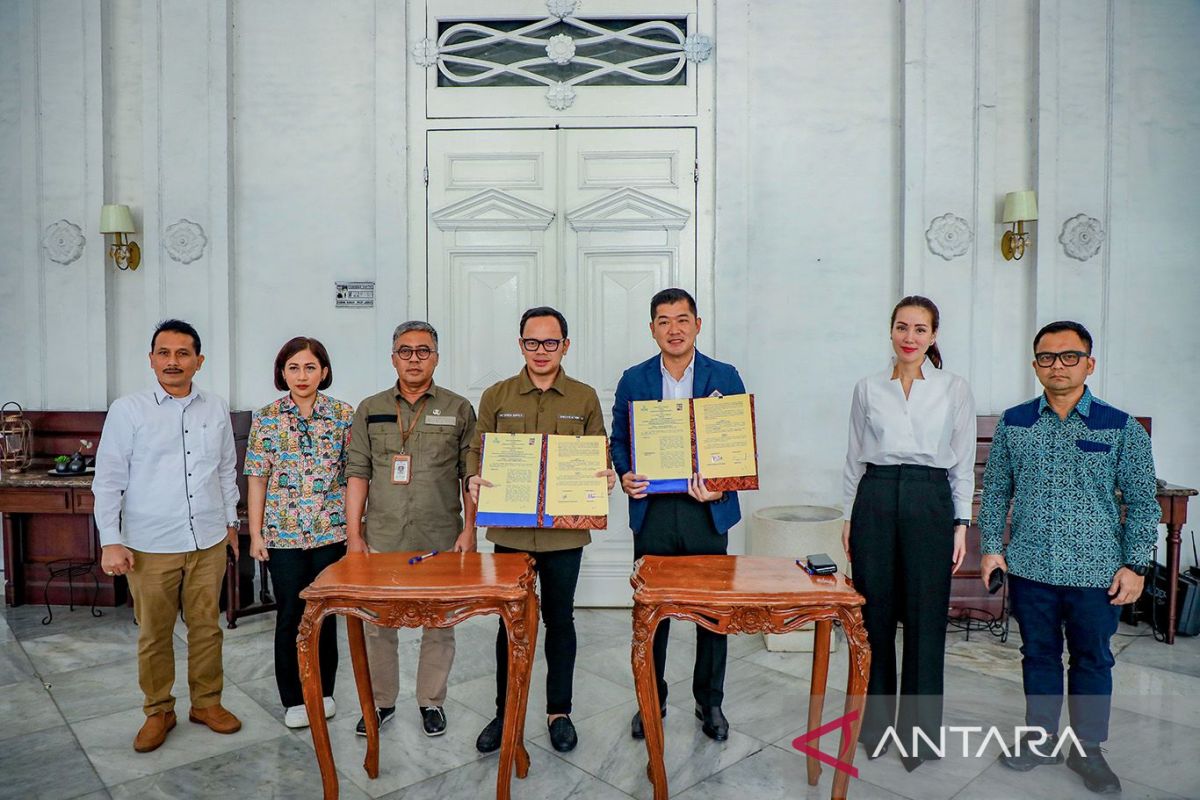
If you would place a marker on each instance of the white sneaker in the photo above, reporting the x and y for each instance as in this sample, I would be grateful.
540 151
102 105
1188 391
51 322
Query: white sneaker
297 716
330 707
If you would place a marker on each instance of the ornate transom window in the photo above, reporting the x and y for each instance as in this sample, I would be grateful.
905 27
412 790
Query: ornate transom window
562 52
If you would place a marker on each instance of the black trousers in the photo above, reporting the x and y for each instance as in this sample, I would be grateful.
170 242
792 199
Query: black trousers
677 525
901 545
291 570
558 575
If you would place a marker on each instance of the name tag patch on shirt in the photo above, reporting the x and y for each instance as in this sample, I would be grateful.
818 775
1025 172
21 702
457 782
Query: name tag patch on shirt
1093 447
511 414
574 417
431 419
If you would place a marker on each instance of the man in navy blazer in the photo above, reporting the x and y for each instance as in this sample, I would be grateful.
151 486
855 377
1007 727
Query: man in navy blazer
695 523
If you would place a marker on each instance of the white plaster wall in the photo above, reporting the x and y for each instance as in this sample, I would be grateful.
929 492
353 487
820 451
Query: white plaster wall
13 320
304 189
129 323
821 262
1152 341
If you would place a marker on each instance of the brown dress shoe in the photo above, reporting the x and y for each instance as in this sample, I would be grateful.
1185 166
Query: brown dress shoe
216 718
154 731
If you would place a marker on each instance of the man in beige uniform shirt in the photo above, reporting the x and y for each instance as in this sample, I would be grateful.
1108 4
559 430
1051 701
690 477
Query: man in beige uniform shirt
408 458
542 399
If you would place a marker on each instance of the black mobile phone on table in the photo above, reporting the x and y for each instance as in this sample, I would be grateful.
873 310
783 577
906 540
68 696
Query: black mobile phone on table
820 564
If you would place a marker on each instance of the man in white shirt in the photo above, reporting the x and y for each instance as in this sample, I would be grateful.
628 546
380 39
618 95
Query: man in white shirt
166 503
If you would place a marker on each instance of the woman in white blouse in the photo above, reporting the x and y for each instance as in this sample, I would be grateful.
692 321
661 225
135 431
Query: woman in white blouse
909 478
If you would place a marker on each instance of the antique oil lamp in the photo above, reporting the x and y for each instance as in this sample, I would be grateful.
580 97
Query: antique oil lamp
16 439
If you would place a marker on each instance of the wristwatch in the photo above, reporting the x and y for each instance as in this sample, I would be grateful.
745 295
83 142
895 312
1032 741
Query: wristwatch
236 524
961 521
1138 569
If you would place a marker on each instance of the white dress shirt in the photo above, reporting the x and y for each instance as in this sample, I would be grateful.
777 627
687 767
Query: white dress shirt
678 389
933 427
165 472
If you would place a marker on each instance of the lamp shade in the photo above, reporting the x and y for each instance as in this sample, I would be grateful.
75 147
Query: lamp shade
116 219
1020 206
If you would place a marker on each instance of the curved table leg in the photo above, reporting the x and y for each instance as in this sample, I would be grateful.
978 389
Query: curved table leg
366 696
310 678
856 692
520 620
816 692
645 622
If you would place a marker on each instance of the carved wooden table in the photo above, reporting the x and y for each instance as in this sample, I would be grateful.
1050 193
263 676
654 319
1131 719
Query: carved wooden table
439 592
747 594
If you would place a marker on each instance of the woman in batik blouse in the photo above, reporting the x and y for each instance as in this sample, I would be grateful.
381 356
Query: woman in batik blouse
296 463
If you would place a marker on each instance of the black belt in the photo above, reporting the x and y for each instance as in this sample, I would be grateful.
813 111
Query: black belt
907 471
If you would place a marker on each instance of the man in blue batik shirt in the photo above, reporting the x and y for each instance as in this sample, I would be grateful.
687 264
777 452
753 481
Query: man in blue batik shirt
1071 560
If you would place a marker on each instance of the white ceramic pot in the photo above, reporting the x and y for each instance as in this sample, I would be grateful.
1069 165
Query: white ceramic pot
794 532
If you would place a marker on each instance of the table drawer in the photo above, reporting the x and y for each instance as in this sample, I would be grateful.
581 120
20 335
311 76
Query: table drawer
33 501
84 501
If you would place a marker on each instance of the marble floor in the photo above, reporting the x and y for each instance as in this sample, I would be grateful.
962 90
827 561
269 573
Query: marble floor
69 707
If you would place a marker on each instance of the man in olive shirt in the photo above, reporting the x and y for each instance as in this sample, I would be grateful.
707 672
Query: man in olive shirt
542 399
407 462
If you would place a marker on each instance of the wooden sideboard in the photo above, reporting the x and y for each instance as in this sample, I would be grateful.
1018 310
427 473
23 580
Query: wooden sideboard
48 518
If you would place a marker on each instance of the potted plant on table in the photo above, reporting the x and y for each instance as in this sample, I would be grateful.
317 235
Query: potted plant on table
74 464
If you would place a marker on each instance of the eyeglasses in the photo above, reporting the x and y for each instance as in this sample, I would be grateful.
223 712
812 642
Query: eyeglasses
305 439
406 353
1069 358
532 345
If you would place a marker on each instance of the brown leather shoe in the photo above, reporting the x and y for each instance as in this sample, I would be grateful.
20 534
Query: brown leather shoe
154 731
216 718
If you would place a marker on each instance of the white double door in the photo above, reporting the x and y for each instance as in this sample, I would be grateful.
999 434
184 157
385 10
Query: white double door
590 221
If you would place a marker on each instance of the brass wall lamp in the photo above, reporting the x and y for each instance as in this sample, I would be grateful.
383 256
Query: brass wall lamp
1019 208
117 220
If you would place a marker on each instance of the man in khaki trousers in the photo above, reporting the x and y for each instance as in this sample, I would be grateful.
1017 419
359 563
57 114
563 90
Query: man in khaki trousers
407 462
166 503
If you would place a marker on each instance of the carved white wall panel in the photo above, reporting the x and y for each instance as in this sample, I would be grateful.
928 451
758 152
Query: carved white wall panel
63 242
56 257
474 171
490 290
948 236
628 209
493 209
642 170
1081 237
184 241
483 59
619 284
185 131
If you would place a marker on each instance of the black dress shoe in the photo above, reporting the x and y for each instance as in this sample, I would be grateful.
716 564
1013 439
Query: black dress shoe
1024 757
562 734
714 724
1097 776
635 725
384 715
489 737
433 720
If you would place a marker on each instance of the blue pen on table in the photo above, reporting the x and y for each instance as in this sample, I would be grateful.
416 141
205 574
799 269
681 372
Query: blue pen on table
419 559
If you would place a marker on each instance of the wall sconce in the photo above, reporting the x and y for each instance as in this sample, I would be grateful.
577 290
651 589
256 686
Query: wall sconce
1019 208
117 220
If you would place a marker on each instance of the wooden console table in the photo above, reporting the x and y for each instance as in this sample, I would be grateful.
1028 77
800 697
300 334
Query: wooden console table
439 592
747 594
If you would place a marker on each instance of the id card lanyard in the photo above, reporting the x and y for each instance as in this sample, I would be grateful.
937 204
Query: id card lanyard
402 463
